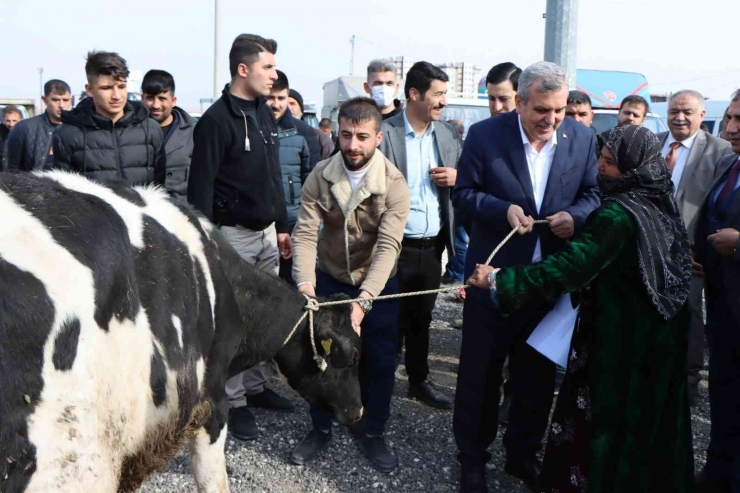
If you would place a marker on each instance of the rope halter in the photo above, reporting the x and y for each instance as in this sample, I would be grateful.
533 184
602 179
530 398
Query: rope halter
312 306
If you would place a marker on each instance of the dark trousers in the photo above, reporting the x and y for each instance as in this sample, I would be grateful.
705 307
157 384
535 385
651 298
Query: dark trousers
419 269
723 335
379 355
487 338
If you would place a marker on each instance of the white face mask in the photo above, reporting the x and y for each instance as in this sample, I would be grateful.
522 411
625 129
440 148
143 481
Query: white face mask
384 95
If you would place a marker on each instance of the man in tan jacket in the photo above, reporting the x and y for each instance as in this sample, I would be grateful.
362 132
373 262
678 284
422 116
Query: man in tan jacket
363 202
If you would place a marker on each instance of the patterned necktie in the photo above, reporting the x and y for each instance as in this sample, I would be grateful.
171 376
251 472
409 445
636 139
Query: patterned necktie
730 183
670 158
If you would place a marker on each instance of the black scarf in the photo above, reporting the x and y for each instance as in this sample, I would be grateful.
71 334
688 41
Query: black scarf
645 190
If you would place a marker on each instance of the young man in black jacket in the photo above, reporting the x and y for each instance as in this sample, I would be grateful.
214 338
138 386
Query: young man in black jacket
106 137
28 149
158 95
235 180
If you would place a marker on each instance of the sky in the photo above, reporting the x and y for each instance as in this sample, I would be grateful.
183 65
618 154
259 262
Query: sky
677 44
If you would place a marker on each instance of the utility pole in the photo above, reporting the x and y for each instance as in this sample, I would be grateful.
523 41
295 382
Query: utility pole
561 32
216 79
41 88
352 56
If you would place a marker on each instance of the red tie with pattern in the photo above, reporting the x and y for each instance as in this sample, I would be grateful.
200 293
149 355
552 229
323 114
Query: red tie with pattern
730 183
670 158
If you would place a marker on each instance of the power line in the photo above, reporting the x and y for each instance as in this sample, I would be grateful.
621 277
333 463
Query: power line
695 79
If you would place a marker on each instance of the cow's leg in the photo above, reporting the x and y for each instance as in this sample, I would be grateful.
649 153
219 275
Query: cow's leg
208 462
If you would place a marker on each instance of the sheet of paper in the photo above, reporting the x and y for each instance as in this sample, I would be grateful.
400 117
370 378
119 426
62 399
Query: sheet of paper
552 336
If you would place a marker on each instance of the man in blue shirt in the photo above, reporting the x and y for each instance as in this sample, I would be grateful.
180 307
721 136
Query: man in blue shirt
426 151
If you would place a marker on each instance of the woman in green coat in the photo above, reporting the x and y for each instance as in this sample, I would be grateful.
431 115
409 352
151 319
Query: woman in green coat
622 420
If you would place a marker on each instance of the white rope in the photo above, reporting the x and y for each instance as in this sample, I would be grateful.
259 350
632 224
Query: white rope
312 304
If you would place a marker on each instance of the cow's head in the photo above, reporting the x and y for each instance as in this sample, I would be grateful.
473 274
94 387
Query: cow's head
337 389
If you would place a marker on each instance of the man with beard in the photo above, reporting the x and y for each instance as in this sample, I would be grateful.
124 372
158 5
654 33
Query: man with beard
530 163
426 151
362 201
692 156
11 116
295 159
158 95
579 108
29 146
632 111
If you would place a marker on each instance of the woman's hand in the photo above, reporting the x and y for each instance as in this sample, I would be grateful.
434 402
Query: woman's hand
479 279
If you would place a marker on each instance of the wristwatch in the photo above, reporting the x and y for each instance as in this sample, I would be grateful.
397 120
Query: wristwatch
366 305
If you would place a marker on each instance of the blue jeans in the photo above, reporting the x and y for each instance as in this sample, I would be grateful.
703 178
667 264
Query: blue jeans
455 269
379 355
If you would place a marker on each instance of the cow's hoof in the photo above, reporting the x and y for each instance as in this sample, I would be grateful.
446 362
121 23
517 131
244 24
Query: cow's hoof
310 447
242 425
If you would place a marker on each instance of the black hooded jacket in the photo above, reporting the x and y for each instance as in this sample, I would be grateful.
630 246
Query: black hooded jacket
233 183
129 151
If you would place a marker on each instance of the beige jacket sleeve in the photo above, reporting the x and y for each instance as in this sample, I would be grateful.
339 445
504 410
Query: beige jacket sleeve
306 231
390 236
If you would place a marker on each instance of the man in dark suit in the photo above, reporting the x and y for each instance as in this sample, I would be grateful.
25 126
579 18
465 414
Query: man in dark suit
532 163
426 151
692 156
717 238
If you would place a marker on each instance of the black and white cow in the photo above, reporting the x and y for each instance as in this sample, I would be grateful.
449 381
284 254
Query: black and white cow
122 314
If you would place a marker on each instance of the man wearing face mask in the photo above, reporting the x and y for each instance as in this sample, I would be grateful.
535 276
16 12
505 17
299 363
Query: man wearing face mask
382 86
426 151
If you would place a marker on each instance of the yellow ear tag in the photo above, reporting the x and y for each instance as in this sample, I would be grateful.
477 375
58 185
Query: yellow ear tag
326 344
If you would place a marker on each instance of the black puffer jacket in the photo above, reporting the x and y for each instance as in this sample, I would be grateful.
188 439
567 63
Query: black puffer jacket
28 144
129 151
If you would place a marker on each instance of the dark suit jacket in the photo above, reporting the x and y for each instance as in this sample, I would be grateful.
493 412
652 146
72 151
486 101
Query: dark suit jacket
729 266
493 174
448 144
698 175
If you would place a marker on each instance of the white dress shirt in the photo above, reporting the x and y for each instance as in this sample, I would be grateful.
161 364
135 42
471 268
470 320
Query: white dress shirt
539 164
682 156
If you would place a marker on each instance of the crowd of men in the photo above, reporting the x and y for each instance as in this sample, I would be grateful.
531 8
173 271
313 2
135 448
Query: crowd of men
367 208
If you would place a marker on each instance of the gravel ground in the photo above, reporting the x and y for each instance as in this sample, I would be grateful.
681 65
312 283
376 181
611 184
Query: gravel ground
420 436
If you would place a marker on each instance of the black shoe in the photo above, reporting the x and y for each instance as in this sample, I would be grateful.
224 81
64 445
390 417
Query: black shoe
473 479
528 470
242 425
378 454
704 483
268 399
429 394
446 279
310 446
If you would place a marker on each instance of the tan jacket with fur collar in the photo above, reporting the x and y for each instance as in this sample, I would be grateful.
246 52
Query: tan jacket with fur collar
361 238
